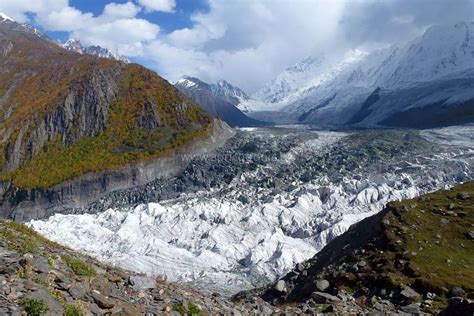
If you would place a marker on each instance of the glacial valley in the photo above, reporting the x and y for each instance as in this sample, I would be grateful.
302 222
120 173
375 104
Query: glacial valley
244 215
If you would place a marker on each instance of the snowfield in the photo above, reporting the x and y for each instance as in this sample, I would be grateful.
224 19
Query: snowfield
274 212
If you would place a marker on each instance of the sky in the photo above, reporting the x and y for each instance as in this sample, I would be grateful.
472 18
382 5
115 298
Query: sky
246 42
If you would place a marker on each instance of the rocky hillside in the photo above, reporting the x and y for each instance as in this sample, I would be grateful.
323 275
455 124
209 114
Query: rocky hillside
40 277
64 115
415 255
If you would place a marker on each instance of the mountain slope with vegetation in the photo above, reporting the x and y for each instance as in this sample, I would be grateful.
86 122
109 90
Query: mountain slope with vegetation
416 255
65 114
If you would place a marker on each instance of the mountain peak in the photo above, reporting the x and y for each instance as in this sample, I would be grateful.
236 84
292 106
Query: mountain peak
4 17
75 45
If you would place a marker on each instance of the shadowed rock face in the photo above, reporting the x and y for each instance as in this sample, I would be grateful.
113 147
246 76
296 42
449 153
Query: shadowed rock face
67 116
215 102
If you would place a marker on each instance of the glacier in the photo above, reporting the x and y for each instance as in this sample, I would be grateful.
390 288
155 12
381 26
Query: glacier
277 211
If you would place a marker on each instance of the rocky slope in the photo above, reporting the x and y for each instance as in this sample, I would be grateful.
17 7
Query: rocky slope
218 99
66 116
414 256
41 277
76 46
431 74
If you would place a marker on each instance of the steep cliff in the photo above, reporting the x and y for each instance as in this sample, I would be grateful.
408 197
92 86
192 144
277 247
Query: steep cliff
66 116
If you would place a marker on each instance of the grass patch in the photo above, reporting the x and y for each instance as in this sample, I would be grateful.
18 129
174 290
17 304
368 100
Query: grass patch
79 267
192 310
73 310
34 307
24 239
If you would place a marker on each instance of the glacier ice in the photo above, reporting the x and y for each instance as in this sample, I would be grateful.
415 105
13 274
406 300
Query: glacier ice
218 241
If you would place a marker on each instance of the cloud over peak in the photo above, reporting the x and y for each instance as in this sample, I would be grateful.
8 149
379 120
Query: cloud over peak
247 41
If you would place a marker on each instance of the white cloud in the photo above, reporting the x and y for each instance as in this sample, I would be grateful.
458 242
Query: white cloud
17 9
158 5
114 11
117 28
247 42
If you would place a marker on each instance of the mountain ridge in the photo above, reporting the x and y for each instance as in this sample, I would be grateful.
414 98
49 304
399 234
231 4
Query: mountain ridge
87 115
76 46
442 54
220 99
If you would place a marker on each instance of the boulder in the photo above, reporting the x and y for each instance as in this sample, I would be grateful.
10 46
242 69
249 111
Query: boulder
463 195
410 294
140 283
325 298
280 286
322 285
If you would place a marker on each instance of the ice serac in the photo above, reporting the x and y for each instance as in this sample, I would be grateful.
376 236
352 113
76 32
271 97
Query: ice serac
91 127
433 74
219 99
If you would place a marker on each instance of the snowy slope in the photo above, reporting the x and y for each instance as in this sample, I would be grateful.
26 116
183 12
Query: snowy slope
228 92
4 17
221 242
76 46
334 92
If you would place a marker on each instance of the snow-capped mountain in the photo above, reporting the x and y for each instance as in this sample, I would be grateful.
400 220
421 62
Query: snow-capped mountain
219 99
24 26
76 46
228 92
389 86
4 17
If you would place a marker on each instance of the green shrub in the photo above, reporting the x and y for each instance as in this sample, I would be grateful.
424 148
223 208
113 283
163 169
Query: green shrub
33 306
73 310
80 267
194 310
179 307
28 245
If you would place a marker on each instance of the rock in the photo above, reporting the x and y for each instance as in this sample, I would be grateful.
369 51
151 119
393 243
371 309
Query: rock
140 283
57 276
322 285
300 267
264 310
463 195
325 298
280 286
410 294
451 206
458 306
77 291
101 300
470 235
444 221
413 309
457 292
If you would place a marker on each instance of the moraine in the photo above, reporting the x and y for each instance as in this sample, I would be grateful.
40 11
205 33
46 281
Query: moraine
270 198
